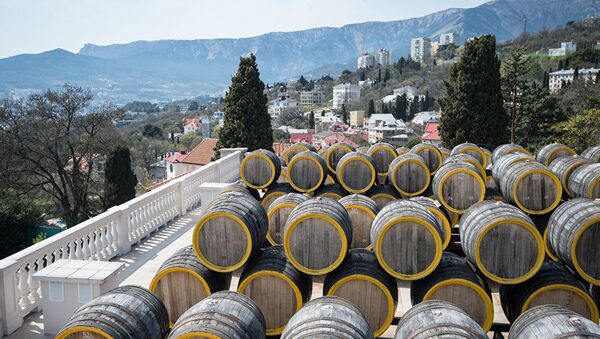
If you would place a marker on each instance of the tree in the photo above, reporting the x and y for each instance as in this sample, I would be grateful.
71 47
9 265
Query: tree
281 136
472 106
371 108
53 141
293 118
401 106
539 113
190 140
18 217
344 114
193 106
151 131
515 70
581 130
302 81
246 122
576 73
119 180
378 74
311 120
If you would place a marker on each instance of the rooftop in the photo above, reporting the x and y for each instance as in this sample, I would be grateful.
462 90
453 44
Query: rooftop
572 71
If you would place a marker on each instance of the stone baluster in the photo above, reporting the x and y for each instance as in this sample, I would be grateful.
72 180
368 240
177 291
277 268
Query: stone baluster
109 240
23 287
98 244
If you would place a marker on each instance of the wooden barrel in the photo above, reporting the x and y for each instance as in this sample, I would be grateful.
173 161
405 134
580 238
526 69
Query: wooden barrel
278 213
441 217
548 153
356 172
278 288
488 158
224 314
317 235
584 182
455 282
465 157
239 186
333 191
362 149
592 153
541 222
553 322
438 319
407 240
328 317
458 185
383 194
383 154
553 284
532 187
431 154
503 164
231 229
362 211
505 149
361 281
283 176
402 150
124 312
574 235
297 148
473 150
322 152
563 167
595 293
493 194
445 152
182 281
260 169
273 192
409 174
501 241
307 171
335 152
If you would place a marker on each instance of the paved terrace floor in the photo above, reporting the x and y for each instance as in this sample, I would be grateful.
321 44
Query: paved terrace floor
145 258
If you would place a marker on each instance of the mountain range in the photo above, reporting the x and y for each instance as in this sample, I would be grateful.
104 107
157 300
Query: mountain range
170 69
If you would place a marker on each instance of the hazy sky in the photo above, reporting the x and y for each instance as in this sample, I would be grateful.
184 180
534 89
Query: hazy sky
33 26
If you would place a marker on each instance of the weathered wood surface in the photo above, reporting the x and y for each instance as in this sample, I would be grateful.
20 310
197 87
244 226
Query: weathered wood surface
324 317
383 195
260 169
296 148
458 185
465 157
409 174
548 153
362 211
438 319
592 153
124 312
440 215
563 167
278 214
361 280
502 241
356 172
224 314
182 281
333 191
532 187
383 154
307 171
552 322
584 181
431 154
503 164
273 192
335 152
455 282
505 149
473 150
574 235
445 152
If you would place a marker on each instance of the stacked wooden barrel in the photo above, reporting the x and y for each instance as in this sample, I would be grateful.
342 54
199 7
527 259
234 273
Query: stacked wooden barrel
333 191
409 174
465 157
296 148
472 150
260 169
553 322
458 185
383 195
124 312
584 182
562 167
505 149
273 192
503 164
592 153
383 154
278 213
362 211
335 152
431 154
548 153
356 172
307 171
441 217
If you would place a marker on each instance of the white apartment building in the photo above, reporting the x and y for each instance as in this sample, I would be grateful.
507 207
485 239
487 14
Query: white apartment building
345 93
435 46
567 75
410 92
420 48
565 47
383 57
365 61
449 38
384 126
308 98
424 117
280 104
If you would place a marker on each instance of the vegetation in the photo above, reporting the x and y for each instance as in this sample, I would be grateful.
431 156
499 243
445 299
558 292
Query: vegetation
246 122
515 69
141 106
581 130
472 106
18 217
119 180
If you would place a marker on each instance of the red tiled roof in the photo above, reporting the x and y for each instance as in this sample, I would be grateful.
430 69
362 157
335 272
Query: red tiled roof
433 136
194 121
301 137
279 147
201 154
177 157
431 127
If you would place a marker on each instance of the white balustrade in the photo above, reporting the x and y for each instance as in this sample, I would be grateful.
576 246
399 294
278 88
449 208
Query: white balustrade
104 236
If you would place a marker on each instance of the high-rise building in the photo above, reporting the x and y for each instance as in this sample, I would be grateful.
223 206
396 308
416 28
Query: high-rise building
420 48
383 57
448 38
308 98
345 93
365 61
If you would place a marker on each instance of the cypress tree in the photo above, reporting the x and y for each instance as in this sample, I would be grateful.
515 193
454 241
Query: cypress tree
119 180
311 120
472 106
344 114
400 109
576 73
379 74
246 122
371 108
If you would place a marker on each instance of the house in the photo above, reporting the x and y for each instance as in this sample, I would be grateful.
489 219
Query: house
431 133
329 138
565 47
345 93
558 78
357 118
281 104
420 48
206 127
180 163
366 83
384 127
410 91
323 122
310 98
365 61
422 118
303 136
191 125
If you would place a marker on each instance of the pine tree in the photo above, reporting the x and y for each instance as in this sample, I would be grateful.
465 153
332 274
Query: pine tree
246 122
311 120
472 106
379 74
516 69
400 109
119 180
387 75
426 103
344 114
576 73
536 121
362 76
371 108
